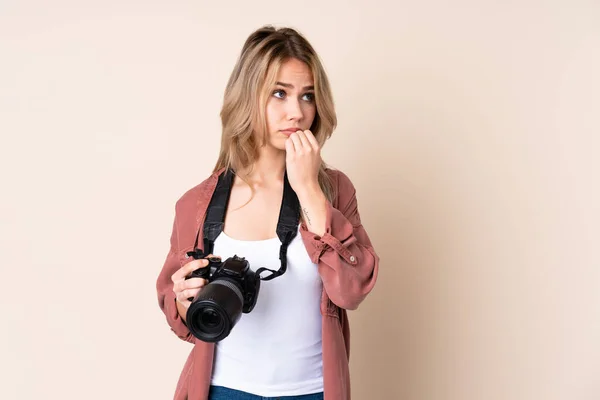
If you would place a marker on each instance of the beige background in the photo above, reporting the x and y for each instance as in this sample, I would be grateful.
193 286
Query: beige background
470 130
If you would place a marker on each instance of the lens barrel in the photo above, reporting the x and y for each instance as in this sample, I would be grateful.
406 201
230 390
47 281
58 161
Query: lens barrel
215 311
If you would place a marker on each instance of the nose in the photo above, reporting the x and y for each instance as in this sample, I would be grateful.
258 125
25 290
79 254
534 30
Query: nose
293 109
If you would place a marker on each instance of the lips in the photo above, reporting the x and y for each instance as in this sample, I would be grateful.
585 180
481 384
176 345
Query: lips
289 131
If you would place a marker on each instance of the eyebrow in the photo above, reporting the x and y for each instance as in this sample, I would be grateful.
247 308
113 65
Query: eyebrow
288 85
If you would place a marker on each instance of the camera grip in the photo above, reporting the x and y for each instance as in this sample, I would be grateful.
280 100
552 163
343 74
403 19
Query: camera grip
203 273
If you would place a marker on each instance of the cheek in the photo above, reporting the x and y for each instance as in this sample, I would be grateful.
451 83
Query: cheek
273 113
309 114
269 113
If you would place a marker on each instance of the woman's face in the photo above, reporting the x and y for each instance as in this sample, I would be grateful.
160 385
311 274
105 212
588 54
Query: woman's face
291 104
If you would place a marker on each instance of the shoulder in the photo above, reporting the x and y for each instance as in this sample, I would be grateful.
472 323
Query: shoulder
193 198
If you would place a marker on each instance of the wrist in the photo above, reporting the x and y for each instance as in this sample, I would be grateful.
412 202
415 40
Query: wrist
309 192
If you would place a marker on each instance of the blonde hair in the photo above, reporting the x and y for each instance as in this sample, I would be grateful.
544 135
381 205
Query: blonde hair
243 115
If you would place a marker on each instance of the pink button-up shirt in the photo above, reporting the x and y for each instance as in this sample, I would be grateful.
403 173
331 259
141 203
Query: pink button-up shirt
347 264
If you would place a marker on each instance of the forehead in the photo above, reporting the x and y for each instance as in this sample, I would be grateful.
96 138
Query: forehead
295 71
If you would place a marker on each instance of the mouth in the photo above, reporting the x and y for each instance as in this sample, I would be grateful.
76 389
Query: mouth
289 131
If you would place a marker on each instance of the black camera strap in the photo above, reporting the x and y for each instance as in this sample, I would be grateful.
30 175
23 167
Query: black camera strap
287 225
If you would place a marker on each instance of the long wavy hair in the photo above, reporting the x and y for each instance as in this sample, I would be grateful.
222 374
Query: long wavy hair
243 115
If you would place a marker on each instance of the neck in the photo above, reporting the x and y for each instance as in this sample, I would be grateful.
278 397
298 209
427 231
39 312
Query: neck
268 168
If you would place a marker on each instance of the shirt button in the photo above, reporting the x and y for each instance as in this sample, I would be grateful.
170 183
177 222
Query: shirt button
352 258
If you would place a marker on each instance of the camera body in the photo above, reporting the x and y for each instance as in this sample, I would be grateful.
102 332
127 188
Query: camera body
232 289
235 269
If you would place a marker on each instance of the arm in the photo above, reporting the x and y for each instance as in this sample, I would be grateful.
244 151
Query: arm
313 204
346 260
166 296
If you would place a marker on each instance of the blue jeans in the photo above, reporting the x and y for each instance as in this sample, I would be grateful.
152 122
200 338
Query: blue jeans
223 393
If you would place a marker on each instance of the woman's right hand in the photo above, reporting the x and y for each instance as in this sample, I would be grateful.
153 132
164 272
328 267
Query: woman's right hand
185 289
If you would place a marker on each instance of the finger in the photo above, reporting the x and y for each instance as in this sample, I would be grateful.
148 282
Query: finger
306 145
187 294
312 139
289 146
192 283
188 268
185 302
297 143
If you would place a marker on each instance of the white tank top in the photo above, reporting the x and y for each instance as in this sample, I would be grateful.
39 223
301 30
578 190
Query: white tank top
275 350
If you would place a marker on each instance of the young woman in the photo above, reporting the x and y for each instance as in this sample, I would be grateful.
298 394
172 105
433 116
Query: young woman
277 114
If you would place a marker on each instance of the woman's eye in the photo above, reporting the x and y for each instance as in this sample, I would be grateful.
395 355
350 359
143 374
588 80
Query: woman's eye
309 96
280 94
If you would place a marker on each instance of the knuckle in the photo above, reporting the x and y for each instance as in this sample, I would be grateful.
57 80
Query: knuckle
175 277
178 286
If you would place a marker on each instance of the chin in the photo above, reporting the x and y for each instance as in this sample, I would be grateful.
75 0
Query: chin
277 144
279 147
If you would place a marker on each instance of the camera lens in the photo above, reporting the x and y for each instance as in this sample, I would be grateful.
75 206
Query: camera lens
215 310
210 318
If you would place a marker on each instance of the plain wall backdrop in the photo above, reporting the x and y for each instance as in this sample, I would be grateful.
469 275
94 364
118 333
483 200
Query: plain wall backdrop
469 128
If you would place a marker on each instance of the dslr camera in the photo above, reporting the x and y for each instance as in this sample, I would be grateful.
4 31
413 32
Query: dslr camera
232 289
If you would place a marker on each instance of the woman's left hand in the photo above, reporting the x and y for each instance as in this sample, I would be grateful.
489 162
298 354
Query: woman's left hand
303 159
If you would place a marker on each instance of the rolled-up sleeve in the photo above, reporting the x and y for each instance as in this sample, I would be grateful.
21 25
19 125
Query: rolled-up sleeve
346 259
